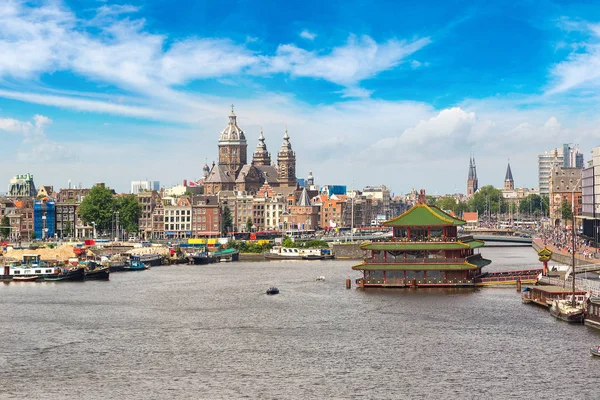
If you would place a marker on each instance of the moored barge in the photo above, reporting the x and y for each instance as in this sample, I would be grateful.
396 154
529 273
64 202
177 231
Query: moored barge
545 295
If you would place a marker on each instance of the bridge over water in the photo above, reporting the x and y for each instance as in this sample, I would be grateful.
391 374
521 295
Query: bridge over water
515 240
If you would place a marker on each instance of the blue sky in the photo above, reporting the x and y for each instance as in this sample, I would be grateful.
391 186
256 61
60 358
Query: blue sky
394 93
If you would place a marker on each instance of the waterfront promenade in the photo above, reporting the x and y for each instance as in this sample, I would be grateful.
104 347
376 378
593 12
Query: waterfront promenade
584 261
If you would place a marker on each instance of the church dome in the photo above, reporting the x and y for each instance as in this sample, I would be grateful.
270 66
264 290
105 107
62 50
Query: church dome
232 132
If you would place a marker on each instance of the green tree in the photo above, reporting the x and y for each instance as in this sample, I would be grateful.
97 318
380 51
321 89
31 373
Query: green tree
5 227
487 199
566 212
98 206
249 224
446 203
288 242
32 235
130 212
430 199
461 207
531 204
227 220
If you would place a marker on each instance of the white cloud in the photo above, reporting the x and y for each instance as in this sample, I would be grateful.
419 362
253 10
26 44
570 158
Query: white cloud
34 146
306 34
581 69
121 52
360 58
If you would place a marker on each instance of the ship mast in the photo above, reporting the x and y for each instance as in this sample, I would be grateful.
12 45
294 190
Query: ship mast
573 253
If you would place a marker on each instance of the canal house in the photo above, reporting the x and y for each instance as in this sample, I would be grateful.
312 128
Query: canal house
425 251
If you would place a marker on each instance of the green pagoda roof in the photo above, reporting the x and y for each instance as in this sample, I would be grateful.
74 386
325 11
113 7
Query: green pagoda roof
421 245
423 215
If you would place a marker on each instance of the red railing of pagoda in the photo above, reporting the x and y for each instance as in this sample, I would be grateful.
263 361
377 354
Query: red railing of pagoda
381 260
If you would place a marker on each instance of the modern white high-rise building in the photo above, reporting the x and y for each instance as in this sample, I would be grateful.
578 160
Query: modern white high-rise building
137 186
567 156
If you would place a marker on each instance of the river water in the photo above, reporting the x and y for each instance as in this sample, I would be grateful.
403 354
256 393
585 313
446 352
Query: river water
210 332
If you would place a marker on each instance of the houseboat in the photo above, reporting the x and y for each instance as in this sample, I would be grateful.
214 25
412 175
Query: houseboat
545 295
592 317
293 253
424 251
31 266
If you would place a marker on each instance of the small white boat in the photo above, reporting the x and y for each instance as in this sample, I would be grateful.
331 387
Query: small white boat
595 351
320 278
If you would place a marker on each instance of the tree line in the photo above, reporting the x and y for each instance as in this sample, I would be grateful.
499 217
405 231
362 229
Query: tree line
488 200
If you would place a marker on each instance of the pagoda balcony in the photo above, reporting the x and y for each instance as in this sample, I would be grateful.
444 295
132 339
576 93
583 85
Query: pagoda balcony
382 260
444 239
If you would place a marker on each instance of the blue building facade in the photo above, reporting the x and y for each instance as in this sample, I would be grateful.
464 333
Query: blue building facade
44 219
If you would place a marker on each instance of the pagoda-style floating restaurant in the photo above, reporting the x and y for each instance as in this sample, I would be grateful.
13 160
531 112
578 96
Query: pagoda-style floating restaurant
425 251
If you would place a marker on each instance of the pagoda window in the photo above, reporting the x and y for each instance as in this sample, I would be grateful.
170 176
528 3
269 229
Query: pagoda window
418 235
434 276
416 275
436 254
401 233
436 233
414 254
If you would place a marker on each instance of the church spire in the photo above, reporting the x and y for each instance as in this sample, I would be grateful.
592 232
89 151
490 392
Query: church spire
286 162
509 183
261 155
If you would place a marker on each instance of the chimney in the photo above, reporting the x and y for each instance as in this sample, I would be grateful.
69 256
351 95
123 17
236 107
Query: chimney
185 182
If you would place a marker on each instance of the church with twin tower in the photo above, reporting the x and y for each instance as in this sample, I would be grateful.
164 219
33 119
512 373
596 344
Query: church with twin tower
233 172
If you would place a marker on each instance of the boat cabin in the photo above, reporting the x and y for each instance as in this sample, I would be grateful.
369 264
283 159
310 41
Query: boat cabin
545 295
592 318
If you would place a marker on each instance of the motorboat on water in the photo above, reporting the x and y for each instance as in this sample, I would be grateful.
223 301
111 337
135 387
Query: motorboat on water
320 278
595 350
272 290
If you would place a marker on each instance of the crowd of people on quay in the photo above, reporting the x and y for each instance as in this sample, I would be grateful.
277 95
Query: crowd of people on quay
562 241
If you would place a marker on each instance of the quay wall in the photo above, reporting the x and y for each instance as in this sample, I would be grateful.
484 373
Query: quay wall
349 251
252 257
566 259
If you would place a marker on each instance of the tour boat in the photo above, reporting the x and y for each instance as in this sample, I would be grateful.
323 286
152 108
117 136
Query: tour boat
292 253
272 290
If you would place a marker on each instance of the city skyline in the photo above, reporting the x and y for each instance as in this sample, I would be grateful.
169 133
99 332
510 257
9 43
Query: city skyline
393 94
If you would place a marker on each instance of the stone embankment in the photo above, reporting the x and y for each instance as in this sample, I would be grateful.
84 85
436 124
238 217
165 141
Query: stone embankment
562 257
348 251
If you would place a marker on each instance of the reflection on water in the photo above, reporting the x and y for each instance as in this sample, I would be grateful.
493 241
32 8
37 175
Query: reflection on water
211 332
